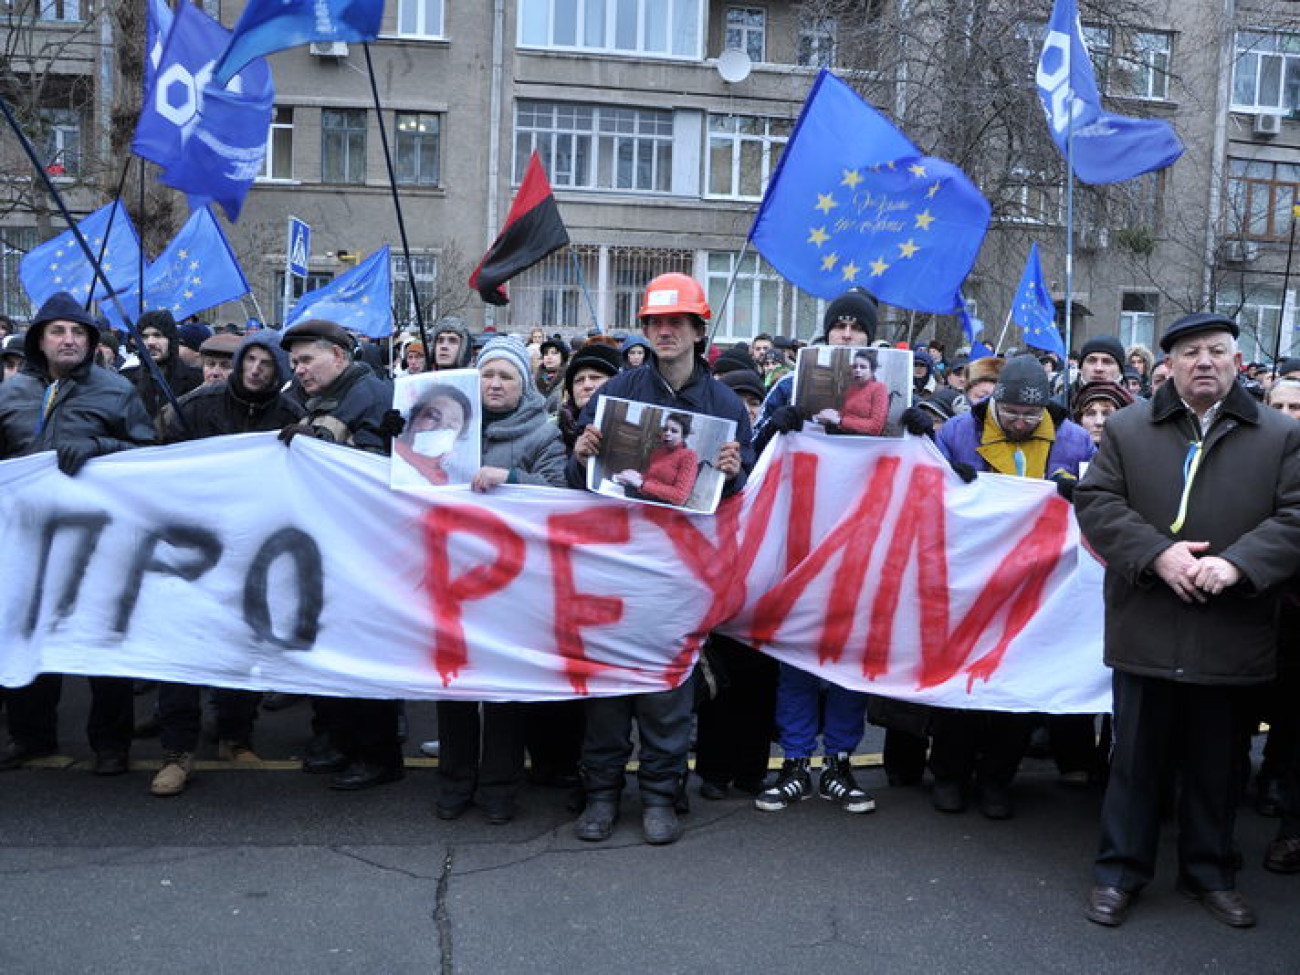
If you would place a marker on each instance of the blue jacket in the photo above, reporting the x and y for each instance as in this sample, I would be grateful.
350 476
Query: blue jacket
960 439
702 393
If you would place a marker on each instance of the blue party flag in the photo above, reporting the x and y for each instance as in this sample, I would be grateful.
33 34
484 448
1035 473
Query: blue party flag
853 202
361 300
1107 148
196 271
60 264
1033 310
267 26
973 328
158 24
209 139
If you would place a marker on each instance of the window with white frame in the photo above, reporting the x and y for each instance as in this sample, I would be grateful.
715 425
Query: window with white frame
1141 70
15 242
665 28
418 144
1267 72
1033 198
419 18
816 45
278 163
62 141
343 145
743 150
60 10
761 300
425 268
596 146
1137 319
745 29
1258 314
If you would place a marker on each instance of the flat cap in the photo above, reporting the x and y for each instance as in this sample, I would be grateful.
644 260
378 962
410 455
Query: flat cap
1193 324
319 328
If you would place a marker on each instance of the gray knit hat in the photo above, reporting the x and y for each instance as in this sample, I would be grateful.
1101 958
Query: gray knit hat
511 349
1023 382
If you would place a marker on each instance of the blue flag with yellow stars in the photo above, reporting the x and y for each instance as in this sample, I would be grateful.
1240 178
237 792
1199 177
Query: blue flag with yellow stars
361 300
853 202
1032 308
197 271
60 264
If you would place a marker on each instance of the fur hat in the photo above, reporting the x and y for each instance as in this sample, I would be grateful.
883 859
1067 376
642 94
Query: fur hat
1112 393
595 354
988 368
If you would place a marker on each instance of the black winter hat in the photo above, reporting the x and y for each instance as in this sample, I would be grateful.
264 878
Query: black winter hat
320 328
854 303
600 356
61 306
161 319
945 403
736 357
745 381
1023 382
1288 366
1106 345
559 345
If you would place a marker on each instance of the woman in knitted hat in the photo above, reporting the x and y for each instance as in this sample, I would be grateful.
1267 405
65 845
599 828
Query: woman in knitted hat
586 372
550 372
1095 402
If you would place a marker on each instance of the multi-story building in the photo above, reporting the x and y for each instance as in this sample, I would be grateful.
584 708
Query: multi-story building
659 148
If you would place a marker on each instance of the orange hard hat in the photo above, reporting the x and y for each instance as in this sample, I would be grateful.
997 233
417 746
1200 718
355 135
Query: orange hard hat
674 294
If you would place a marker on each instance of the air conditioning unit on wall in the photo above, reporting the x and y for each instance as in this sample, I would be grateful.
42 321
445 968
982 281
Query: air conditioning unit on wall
1267 124
330 49
1240 251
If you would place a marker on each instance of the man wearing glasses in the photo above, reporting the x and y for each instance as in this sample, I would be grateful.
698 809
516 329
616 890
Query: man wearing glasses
1018 430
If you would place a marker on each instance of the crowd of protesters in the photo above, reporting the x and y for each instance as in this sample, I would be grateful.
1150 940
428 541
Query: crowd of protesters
1197 581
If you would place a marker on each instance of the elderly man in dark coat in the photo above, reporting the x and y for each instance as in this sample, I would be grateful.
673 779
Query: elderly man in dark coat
1193 503
62 401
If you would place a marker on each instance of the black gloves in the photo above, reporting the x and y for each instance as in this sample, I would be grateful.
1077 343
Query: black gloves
74 454
292 430
786 419
391 425
1065 485
964 471
917 422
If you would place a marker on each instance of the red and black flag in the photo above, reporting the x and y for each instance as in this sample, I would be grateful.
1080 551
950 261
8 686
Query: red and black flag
533 230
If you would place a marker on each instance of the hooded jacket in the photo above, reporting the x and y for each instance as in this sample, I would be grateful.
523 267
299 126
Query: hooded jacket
228 407
180 377
1244 500
90 403
451 324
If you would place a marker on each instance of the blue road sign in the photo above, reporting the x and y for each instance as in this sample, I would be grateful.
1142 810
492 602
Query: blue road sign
299 247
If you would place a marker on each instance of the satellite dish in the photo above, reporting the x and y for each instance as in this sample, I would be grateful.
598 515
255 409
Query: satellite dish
734 65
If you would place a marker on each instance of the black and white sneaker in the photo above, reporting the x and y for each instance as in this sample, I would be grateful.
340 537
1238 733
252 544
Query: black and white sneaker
838 785
793 784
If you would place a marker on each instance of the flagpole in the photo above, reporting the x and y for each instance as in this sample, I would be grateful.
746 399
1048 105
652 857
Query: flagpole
108 227
997 346
397 203
726 296
1286 281
89 254
582 283
1069 233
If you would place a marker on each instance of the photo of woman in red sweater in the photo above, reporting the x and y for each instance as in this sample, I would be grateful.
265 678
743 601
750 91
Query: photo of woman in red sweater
670 471
865 409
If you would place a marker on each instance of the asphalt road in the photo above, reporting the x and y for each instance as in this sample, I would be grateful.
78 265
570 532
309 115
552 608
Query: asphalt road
264 870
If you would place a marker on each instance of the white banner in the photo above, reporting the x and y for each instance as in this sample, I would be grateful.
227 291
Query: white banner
239 563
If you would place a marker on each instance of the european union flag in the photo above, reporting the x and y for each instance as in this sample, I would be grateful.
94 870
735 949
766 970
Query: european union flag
361 300
1107 148
61 265
197 271
267 26
853 202
1032 308
209 139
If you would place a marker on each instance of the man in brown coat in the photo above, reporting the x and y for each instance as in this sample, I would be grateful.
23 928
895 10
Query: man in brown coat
1193 503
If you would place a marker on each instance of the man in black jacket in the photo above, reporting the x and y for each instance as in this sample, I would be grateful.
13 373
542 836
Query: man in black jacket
62 401
1193 502
249 401
672 315
344 402
161 340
